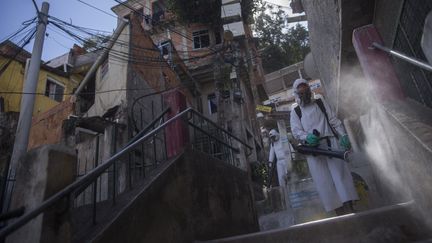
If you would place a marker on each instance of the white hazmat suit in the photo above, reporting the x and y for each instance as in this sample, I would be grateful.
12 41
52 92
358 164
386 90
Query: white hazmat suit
277 149
331 176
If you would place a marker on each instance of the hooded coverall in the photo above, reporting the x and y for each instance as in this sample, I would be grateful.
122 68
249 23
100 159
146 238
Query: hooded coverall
331 176
276 149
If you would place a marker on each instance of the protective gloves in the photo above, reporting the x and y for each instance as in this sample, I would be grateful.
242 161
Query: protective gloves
312 140
344 142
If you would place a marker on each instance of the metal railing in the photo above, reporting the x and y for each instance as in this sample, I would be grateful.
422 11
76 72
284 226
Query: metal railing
119 173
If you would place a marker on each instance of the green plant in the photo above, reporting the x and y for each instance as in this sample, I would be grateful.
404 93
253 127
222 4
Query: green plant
206 11
259 173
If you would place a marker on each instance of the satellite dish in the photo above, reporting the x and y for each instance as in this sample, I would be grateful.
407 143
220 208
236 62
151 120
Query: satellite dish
310 68
426 42
228 35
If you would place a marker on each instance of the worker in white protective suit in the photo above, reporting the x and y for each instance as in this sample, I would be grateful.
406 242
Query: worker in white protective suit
314 123
277 150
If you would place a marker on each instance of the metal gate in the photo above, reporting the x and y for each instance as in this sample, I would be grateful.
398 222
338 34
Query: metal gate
416 82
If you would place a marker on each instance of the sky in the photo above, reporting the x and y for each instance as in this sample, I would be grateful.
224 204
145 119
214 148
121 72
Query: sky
14 12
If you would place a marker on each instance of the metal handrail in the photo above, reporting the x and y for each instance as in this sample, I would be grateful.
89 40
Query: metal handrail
215 138
221 128
144 130
412 60
89 178
83 181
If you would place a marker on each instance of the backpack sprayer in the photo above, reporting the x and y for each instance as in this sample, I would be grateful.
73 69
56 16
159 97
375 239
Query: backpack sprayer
314 150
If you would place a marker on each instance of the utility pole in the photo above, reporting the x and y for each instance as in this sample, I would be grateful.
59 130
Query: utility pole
27 105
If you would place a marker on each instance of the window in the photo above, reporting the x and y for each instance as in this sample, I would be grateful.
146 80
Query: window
54 90
414 80
165 48
201 39
212 103
147 18
218 38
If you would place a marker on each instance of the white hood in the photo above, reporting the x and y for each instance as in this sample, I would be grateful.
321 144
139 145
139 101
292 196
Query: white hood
295 85
274 133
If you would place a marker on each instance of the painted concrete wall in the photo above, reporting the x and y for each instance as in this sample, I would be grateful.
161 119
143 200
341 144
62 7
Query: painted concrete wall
150 76
386 18
402 163
325 37
111 87
12 81
43 172
393 140
195 203
47 127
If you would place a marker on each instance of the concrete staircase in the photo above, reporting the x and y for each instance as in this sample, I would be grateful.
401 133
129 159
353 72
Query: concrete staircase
395 223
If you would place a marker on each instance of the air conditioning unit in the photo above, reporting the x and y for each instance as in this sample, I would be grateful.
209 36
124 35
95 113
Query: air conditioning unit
230 1
231 10
236 28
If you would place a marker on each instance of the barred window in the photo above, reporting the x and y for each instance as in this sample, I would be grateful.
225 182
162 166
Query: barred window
201 39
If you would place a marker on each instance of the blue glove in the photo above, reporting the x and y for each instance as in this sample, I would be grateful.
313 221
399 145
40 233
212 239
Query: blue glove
312 140
344 142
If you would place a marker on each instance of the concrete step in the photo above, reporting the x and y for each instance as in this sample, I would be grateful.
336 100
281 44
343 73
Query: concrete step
393 224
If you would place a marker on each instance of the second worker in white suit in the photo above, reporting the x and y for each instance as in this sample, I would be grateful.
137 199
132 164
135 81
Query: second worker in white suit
277 150
315 124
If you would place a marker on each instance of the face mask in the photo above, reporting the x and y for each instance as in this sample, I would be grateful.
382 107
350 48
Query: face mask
306 97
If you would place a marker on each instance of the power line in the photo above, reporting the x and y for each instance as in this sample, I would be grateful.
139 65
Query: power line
97 8
86 31
36 7
150 18
127 56
183 84
89 32
25 40
60 44
25 24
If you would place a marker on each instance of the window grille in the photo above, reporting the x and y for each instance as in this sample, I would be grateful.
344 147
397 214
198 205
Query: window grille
201 39
416 82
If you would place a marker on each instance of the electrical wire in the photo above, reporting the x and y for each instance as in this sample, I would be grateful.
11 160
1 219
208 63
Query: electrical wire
88 31
187 84
36 7
156 21
123 56
25 41
96 8
25 24
56 41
